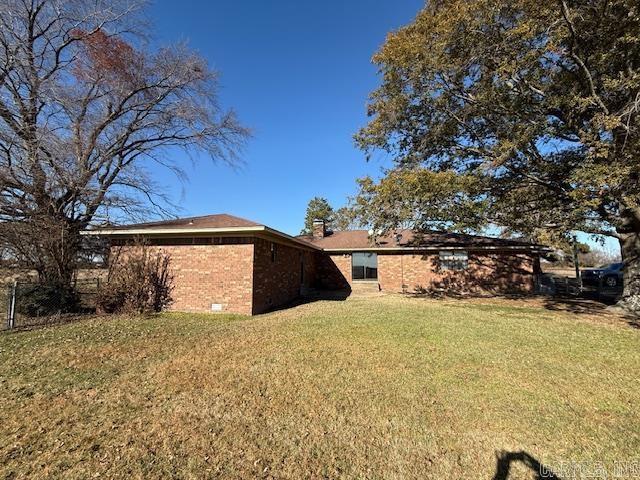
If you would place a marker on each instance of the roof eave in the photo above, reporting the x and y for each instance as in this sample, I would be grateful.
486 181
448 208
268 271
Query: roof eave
172 231
278 233
252 230
531 248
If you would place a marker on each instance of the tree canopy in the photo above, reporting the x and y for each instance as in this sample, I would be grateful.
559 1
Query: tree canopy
344 219
88 110
536 101
317 209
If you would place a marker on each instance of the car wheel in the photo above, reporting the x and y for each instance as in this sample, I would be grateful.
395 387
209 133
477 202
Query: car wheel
610 282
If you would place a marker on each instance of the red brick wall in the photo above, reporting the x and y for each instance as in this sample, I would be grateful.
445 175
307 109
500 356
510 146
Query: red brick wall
206 274
391 270
278 281
310 269
334 270
494 272
241 277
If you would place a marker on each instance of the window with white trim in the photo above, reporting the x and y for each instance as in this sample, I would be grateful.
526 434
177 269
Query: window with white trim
455 260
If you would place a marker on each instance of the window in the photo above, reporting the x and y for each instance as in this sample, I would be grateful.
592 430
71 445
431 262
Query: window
231 240
454 260
364 266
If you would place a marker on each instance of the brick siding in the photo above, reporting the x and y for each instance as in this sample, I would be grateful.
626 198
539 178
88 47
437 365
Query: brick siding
211 274
278 278
239 277
243 278
504 272
334 270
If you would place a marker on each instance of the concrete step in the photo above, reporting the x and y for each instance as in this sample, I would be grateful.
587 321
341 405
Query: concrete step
365 288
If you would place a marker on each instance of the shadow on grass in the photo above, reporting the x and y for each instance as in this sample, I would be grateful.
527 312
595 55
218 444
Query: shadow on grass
312 296
456 295
505 460
586 305
634 322
576 305
590 306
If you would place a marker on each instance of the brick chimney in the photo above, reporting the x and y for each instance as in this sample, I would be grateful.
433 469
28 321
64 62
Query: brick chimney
319 229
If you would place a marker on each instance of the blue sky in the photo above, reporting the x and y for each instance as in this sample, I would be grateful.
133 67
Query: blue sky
298 74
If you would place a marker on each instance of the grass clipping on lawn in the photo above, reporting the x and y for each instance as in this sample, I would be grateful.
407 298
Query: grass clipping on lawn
366 388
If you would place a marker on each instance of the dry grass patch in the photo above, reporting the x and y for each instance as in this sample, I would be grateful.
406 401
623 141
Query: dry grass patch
372 388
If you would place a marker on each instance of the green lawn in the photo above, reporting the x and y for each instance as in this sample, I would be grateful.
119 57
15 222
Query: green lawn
366 388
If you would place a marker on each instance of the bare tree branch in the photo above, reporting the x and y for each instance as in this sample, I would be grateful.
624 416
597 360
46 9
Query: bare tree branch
85 107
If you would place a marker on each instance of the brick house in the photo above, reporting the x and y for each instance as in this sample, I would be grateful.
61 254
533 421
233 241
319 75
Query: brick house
411 262
226 263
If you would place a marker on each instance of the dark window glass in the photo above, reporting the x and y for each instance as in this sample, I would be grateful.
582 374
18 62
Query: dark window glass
188 241
364 266
454 260
202 241
170 241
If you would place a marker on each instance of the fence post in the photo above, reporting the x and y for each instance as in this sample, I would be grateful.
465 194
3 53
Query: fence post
576 262
11 306
8 294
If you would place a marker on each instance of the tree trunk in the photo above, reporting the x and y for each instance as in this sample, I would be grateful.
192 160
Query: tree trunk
63 255
57 242
629 235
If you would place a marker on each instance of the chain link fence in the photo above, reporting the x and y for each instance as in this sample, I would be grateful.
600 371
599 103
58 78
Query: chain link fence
596 288
29 304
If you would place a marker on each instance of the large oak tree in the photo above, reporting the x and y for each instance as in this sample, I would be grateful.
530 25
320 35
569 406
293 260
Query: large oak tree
88 110
525 109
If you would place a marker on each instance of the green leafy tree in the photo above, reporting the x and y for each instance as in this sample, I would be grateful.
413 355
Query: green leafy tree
344 219
536 100
317 209
420 198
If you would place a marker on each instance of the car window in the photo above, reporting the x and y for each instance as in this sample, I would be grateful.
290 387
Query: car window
611 267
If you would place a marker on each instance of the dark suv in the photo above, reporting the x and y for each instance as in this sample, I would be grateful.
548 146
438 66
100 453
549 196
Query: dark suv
604 279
